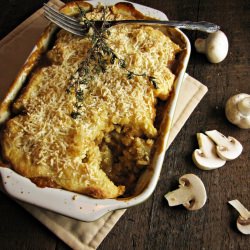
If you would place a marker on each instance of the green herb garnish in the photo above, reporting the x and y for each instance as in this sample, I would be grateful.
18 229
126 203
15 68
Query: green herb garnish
98 54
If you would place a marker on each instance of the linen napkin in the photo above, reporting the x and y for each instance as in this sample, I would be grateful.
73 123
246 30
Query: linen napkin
14 49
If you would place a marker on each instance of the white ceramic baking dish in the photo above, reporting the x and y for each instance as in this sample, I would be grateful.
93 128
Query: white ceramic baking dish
75 205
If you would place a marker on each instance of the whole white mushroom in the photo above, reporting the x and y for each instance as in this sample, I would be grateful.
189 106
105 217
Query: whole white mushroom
215 46
238 110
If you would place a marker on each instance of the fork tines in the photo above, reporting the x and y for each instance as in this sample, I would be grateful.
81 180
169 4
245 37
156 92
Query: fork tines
65 22
72 25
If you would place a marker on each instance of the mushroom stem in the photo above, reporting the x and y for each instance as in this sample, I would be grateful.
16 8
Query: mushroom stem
244 106
244 213
178 197
200 45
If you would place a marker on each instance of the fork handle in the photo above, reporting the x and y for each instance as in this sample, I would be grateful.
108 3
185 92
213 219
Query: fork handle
188 25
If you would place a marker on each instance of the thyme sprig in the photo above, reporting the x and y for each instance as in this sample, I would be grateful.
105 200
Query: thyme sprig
99 53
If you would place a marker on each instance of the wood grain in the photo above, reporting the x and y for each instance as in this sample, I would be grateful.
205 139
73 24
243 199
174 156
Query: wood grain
153 224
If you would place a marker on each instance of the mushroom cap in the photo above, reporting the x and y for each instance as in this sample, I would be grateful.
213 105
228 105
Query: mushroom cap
233 112
216 47
228 148
206 157
191 193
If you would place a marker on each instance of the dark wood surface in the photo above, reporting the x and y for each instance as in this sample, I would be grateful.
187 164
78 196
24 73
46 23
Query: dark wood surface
153 224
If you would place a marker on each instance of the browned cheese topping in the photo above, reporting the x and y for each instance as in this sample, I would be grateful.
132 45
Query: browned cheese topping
110 143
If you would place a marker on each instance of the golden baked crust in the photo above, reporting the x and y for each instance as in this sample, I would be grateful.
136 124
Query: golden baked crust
112 141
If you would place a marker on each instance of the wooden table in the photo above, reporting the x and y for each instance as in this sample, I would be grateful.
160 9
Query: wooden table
153 224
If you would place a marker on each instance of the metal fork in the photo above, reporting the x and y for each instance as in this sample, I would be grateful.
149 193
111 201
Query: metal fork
72 25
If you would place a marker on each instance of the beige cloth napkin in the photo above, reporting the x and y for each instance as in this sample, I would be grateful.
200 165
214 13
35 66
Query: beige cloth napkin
14 49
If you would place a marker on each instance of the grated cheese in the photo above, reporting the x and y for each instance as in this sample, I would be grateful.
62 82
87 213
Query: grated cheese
49 143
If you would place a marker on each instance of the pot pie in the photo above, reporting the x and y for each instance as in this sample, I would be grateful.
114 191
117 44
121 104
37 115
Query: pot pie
87 119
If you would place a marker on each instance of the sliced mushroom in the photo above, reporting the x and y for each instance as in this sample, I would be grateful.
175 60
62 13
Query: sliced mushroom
205 157
191 193
228 148
243 221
